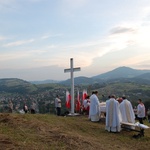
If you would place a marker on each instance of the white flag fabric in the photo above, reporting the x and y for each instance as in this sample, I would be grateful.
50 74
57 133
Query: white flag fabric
68 99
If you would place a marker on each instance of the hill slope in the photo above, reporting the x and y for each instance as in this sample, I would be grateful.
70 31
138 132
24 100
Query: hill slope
145 76
13 84
118 73
79 80
121 72
49 132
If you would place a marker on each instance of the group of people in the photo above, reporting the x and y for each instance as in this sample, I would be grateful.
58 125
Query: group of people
32 109
116 112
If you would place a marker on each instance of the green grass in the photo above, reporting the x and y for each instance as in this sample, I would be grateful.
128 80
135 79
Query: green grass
49 132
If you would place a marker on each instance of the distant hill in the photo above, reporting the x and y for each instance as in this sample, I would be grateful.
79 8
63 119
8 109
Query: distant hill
44 82
145 76
121 72
19 86
11 85
78 80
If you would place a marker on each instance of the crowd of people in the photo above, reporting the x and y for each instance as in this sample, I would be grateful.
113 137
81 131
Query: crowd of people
117 110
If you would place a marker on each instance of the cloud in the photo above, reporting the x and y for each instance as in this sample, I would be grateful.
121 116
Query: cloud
21 54
37 51
52 46
18 43
122 30
137 59
51 36
84 53
2 38
12 56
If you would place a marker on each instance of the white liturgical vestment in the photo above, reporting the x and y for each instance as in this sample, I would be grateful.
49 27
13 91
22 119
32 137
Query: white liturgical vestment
94 112
127 112
113 116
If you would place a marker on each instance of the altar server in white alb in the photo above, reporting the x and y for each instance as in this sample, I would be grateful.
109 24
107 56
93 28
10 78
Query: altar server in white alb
127 112
94 113
113 115
140 111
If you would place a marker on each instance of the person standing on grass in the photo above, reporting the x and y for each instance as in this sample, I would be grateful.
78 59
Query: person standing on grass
10 105
113 115
33 108
140 111
58 105
94 112
126 110
86 105
25 108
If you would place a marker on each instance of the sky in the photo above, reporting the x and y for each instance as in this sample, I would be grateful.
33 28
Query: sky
38 37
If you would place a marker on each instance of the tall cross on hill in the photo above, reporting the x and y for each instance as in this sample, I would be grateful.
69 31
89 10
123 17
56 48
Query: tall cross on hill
72 70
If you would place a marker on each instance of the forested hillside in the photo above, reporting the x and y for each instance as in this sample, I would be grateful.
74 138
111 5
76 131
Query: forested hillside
20 92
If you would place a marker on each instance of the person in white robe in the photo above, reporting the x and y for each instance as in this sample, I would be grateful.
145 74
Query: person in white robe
86 105
140 111
94 112
127 112
113 115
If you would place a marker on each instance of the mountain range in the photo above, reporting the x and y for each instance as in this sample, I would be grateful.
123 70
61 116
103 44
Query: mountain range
120 74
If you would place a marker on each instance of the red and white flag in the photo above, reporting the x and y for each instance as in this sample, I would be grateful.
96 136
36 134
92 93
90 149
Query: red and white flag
84 94
68 100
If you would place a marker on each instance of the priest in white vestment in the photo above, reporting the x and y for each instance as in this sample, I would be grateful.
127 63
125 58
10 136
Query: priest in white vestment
113 115
127 112
94 112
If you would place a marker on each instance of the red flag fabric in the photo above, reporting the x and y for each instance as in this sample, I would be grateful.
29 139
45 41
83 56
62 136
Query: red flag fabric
84 94
68 100
78 104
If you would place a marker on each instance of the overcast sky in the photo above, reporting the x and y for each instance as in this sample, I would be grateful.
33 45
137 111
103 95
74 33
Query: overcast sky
38 37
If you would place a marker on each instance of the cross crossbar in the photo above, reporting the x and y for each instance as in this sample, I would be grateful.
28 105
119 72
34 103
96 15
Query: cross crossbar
74 69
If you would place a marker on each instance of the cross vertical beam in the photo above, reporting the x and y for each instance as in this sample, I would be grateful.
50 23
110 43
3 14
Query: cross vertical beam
72 86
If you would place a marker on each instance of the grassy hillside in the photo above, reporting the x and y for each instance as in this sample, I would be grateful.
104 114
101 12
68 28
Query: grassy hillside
20 91
133 91
49 132
13 85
